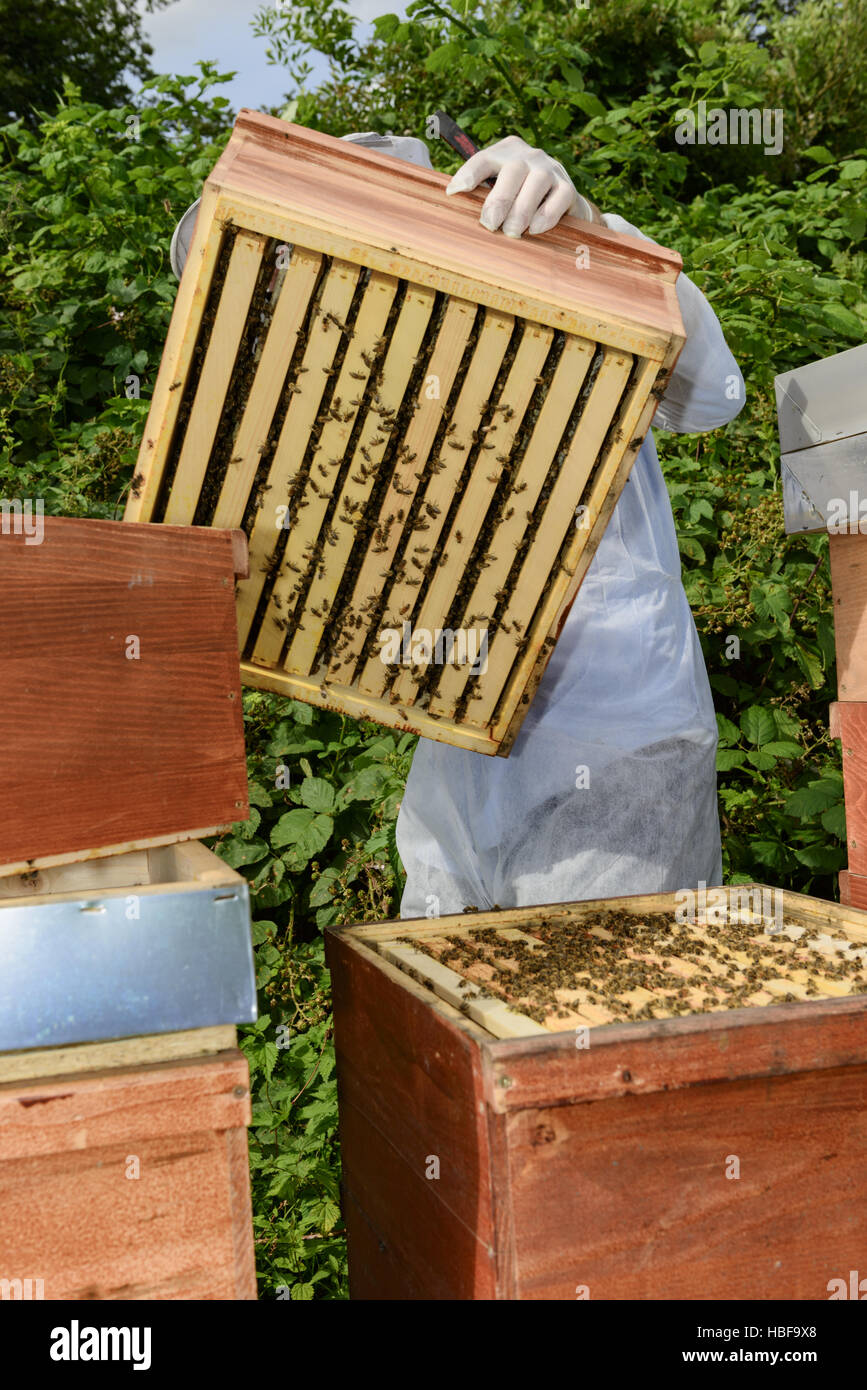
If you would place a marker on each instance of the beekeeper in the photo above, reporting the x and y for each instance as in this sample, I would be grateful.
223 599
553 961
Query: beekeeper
610 787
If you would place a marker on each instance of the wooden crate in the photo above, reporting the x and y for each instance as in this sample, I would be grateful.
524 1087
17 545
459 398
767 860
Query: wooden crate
608 1146
175 1099
423 428
124 1170
106 746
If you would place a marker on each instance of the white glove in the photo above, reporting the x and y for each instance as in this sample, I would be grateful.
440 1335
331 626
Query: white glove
532 190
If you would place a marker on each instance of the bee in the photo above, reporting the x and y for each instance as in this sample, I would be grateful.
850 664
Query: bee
422 549
492 477
509 513
358 376
175 384
521 487
453 445
432 509
635 443
136 484
459 537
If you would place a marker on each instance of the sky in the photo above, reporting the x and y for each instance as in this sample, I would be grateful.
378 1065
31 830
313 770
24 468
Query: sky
221 31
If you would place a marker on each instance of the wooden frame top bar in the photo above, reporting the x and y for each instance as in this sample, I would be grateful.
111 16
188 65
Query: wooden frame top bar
401 207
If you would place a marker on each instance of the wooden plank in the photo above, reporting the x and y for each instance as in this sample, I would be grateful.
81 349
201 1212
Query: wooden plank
636 412
509 529
553 417
437 1231
92 875
46 1115
469 409
124 1052
594 1188
442 370
358 704
637 1058
400 208
189 306
469 518
848 555
853 889
298 285
102 753
552 309
201 430
499 1020
558 517
178 1226
849 724
372 443
323 342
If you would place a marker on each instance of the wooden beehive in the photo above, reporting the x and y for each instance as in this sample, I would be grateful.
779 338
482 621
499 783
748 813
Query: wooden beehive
123 1161
120 703
848 554
423 428
598 1100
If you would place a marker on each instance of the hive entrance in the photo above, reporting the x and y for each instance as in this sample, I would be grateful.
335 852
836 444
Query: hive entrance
618 966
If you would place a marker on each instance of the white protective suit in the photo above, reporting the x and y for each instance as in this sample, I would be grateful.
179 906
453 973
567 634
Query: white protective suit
610 787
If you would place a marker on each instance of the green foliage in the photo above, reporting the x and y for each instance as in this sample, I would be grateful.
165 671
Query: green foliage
94 43
318 849
90 200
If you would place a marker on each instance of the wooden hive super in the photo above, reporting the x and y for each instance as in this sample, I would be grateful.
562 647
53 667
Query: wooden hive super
632 1098
423 428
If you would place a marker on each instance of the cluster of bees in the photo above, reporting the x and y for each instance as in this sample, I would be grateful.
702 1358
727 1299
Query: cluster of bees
415 559
528 976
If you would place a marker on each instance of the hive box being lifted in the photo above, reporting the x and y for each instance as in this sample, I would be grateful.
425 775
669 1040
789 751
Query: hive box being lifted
120 708
640 1097
422 427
